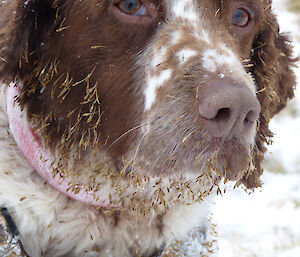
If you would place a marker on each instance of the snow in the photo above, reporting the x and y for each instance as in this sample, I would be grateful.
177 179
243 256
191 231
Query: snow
266 223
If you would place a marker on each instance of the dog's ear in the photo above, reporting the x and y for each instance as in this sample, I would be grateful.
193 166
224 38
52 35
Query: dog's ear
9 37
21 24
273 72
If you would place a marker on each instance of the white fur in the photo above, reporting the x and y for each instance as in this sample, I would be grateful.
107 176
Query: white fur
185 54
203 35
213 59
158 57
176 36
225 63
184 9
193 213
153 83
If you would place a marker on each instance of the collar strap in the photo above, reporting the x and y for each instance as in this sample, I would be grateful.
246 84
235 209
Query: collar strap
38 156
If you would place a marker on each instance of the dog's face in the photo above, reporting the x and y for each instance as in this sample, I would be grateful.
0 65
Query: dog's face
158 87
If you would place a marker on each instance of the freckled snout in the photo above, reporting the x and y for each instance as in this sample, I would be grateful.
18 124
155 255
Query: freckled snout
229 109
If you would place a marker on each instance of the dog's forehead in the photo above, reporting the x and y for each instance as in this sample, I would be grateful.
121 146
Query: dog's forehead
183 9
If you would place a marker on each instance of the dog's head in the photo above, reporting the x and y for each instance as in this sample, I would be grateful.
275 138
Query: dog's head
158 88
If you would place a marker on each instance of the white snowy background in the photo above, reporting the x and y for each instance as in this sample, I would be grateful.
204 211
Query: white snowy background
267 222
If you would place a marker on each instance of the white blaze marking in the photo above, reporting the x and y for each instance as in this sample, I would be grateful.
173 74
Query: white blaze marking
184 9
185 54
202 35
153 83
158 57
227 64
176 36
213 59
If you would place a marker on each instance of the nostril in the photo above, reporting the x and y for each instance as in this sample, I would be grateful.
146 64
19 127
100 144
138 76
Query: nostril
251 116
223 114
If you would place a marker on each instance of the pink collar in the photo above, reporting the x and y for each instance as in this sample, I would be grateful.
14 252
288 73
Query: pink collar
39 157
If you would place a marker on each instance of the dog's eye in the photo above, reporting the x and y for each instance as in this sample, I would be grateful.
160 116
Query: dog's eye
132 7
241 17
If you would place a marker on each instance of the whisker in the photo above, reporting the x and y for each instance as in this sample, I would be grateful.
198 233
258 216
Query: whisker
126 133
138 146
136 151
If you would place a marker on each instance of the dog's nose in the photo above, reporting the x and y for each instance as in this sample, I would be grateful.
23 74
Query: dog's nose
228 109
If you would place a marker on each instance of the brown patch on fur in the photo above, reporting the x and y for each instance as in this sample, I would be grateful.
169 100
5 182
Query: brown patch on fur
68 102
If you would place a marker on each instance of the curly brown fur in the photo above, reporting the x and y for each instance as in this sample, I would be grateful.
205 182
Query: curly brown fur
273 62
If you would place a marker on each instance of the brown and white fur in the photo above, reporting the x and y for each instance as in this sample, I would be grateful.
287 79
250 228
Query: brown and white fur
147 113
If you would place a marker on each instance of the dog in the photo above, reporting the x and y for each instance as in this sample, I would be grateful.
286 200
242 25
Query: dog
120 119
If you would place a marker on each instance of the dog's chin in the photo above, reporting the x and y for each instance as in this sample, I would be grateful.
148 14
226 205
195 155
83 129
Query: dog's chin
234 161
229 159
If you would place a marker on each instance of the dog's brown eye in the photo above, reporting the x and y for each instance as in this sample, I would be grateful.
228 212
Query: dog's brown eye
132 7
241 17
